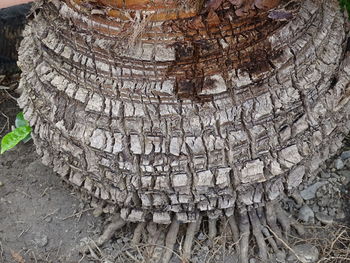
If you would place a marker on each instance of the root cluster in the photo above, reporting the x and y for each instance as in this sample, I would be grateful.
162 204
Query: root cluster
254 233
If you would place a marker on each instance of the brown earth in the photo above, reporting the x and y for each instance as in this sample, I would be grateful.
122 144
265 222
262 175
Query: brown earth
40 219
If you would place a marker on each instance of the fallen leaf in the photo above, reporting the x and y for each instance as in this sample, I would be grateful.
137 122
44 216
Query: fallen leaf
17 257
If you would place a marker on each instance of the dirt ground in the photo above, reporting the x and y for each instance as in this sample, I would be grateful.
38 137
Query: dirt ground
42 220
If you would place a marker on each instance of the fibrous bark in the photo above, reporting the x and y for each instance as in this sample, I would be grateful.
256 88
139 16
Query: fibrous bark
209 113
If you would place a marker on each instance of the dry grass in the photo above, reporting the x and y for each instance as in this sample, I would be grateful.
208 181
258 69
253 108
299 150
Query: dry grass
332 241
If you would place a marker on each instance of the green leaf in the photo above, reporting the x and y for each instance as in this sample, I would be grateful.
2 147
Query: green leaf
20 121
11 139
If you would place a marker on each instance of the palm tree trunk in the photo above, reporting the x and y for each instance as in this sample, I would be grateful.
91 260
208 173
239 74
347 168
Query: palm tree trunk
168 113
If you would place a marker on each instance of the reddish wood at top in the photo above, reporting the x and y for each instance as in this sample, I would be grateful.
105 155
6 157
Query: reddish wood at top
137 4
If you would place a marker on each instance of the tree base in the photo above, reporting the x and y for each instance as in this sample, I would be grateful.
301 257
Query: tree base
168 162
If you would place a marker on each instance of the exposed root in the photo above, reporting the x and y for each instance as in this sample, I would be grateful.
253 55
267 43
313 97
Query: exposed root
264 229
254 232
272 221
286 222
234 231
154 233
244 228
136 239
187 246
259 237
212 233
170 240
270 239
117 223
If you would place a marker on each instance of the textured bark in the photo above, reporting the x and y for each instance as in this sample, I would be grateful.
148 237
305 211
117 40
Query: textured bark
211 115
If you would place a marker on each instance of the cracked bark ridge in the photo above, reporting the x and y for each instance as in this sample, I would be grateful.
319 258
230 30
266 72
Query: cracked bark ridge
210 116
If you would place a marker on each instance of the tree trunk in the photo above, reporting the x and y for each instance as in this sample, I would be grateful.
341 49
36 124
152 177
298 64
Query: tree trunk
167 112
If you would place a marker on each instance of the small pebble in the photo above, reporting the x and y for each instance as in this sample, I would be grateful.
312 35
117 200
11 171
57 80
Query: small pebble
338 164
310 192
345 155
201 236
324 218
97 212
306 253
1 183
315 208
41 240
306 214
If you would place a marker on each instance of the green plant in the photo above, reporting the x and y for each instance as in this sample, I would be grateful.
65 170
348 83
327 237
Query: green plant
20 133
345 4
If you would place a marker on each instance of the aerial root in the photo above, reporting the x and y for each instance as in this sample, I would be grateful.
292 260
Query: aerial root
234 228
191 231
235 231
271 221
257 233
270 239
286 222
136 239
154 238
264 229
212 233
267 226
170 240
117 223
244 228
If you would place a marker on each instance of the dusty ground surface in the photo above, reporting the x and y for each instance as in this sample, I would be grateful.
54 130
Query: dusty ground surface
40 219
43 220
